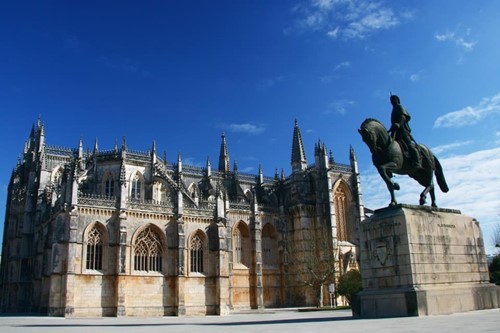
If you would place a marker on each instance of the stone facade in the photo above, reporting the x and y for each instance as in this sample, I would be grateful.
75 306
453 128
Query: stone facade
127 233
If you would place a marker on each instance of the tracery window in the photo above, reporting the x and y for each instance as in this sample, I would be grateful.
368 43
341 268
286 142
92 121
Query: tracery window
238 246
269 246
241 240
109 186
136 187
148 252
109 189
94 249
342 212
196 248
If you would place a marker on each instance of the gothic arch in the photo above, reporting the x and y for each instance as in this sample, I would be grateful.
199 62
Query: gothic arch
241 244
270 253
109 184
197 252
162 191
137 186
149 250
248 195
56 179
344 212
95 241
194 191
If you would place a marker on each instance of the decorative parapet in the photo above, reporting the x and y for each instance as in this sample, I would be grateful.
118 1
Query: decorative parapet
341 167
268 209
97 200
239 205
152 205
203 208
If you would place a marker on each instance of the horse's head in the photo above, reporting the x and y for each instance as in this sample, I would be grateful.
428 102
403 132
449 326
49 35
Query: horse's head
374 135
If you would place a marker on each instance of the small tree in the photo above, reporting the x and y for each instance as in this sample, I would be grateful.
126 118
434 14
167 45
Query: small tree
494 269
496 236
313 261
349 284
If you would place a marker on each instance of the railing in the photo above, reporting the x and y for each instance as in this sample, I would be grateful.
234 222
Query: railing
97 200
153 205
342 167
239 205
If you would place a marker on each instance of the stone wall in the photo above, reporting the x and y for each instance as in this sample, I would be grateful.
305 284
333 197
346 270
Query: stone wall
94 296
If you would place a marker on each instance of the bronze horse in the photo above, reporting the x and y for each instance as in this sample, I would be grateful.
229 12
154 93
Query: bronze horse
388 157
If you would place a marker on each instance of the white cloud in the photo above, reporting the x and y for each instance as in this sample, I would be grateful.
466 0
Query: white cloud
415 77
347 19
463 41
444 148
470 115
473 187
344 64
246 128
248 170
340 106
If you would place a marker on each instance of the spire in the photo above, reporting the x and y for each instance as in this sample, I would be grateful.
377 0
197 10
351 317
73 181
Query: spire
153 153
80 148
353 159
235 167
124 148
96 147
179 163
352 154
261 174
41 137
331 160
209 167
224 156
299 161
283 177
39 123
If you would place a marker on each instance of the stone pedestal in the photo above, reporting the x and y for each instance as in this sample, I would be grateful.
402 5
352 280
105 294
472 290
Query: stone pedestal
418 261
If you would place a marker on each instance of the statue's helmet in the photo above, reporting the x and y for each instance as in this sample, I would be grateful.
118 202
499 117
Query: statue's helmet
395 99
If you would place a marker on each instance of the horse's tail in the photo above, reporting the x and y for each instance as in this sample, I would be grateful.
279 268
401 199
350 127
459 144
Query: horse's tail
438 171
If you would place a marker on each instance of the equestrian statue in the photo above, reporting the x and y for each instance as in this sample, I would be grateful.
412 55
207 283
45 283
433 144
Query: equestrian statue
395 151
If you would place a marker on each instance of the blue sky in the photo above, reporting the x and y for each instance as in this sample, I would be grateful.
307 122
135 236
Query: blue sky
184 72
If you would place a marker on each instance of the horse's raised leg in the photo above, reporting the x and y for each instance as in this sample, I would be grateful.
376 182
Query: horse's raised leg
384 171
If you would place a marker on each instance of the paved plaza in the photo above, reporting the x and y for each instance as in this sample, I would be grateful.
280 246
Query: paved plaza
275 321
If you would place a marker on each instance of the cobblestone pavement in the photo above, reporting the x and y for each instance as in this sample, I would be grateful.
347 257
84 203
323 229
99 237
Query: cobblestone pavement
275 321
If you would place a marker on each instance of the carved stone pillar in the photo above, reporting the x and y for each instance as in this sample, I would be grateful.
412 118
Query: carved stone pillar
121 266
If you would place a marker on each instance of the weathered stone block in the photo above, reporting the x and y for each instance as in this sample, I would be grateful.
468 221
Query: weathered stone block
421 261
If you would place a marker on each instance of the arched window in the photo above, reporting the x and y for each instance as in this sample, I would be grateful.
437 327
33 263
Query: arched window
148 251
343 201
94 249
136 187
193 190
241 241
57 180
109 185
160 192
269 246
196 253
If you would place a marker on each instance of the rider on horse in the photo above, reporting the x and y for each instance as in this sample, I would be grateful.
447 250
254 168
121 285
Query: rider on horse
400 130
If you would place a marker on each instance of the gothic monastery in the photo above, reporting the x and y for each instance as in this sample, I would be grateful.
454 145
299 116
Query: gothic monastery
128 233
